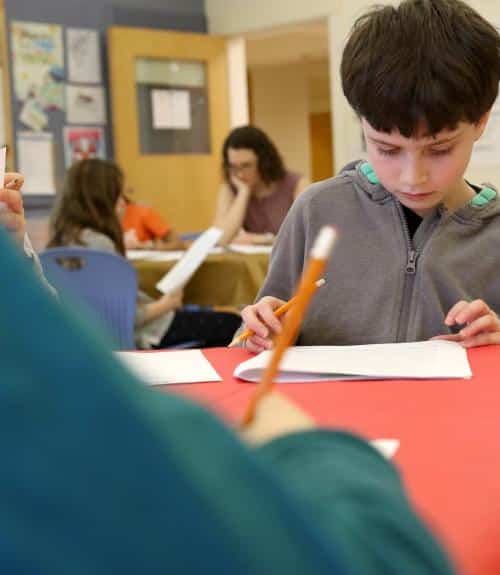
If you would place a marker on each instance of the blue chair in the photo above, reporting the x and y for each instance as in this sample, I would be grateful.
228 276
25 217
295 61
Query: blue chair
105 283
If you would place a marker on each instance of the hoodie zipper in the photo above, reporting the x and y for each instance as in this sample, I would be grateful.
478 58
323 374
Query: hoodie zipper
410 271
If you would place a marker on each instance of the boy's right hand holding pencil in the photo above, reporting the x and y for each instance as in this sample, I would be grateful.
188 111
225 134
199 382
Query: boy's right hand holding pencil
260 318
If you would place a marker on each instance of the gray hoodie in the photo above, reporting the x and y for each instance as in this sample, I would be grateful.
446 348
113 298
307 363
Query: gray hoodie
381 285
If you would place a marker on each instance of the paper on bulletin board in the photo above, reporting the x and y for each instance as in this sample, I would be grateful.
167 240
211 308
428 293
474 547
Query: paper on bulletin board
33 116
85 105
84 62
81 143
37 55
35 158
171 109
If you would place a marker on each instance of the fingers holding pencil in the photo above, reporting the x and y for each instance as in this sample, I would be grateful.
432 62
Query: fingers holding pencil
263 322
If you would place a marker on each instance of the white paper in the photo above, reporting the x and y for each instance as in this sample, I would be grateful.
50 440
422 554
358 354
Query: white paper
416 360
244 249
85 105
164 367
171 109
155 255
35 158
387 447
84 62
184 269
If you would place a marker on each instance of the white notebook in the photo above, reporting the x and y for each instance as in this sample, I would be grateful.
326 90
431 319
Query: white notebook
164 367
416 360
184 269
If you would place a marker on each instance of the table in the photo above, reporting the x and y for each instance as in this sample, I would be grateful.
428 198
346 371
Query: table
449 430
225 279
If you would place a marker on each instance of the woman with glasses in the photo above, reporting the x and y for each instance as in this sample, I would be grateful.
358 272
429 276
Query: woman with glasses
257 191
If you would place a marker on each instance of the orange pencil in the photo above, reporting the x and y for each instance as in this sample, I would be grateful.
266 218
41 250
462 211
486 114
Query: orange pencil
320 252
278 313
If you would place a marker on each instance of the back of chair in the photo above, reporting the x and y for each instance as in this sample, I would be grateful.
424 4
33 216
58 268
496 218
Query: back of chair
106 284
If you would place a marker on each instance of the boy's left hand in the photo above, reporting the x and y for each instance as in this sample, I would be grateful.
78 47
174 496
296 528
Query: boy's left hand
481 325
12 212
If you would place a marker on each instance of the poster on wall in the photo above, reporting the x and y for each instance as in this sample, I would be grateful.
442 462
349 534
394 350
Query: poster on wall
85 105
171 109
35 159
38 63
81 143
84 63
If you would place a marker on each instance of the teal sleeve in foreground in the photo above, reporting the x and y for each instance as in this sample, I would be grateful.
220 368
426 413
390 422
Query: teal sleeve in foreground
356 496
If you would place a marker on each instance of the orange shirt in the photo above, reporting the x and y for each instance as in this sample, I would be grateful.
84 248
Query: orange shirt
147 223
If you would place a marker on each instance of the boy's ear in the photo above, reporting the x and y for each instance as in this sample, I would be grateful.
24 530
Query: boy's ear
481 124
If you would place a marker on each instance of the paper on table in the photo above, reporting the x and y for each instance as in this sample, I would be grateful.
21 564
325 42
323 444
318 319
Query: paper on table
155 255
416 360
164 367
244 249
183 270
387 447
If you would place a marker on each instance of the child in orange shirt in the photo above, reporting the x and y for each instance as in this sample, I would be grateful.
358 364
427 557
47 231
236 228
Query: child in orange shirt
144 227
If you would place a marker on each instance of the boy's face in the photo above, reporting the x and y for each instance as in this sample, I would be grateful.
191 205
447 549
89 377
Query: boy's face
424 171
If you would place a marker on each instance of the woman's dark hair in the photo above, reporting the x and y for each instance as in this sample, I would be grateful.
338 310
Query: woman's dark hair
269 161
425 63
88 200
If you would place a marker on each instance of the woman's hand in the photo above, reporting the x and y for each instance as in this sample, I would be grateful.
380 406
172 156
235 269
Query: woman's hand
12 209
479 324
260 318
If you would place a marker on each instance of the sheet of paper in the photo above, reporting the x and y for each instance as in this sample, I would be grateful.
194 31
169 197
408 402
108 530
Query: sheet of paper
387 447
35 159
85 105
184 269
155 255
164 367
84 62
82 143
416 360
243 249
171 109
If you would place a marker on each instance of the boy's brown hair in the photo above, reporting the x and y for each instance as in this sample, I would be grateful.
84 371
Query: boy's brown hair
423 64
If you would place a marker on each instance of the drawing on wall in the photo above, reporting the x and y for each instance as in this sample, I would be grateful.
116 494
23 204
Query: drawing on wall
38 64
35 158
81 143
33 115
85 105
84 63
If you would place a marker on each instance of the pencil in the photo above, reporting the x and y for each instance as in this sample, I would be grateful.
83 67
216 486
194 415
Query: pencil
320 252
277 313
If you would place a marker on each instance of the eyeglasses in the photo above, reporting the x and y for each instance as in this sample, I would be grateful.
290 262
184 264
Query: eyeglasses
238 168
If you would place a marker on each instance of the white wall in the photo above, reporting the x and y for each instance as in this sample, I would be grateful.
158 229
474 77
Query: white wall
280 106
232 17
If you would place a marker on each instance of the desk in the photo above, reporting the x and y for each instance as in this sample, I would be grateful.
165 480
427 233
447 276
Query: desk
226 279
449 431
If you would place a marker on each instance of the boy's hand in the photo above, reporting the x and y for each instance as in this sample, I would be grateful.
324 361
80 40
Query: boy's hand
261 320
276 416
481 325
11 209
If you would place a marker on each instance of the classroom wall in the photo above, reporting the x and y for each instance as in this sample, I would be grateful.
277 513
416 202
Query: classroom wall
185 15
236 17
279 94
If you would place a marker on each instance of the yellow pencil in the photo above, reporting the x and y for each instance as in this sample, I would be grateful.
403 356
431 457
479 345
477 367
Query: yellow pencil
277 313
320 252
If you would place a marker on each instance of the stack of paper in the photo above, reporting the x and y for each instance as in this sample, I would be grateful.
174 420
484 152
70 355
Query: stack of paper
244 249
164 367
417 360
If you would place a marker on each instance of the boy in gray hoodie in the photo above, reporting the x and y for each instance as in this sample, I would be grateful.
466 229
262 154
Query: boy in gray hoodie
418 254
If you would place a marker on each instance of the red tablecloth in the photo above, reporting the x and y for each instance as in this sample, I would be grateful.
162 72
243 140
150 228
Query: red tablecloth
449 455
